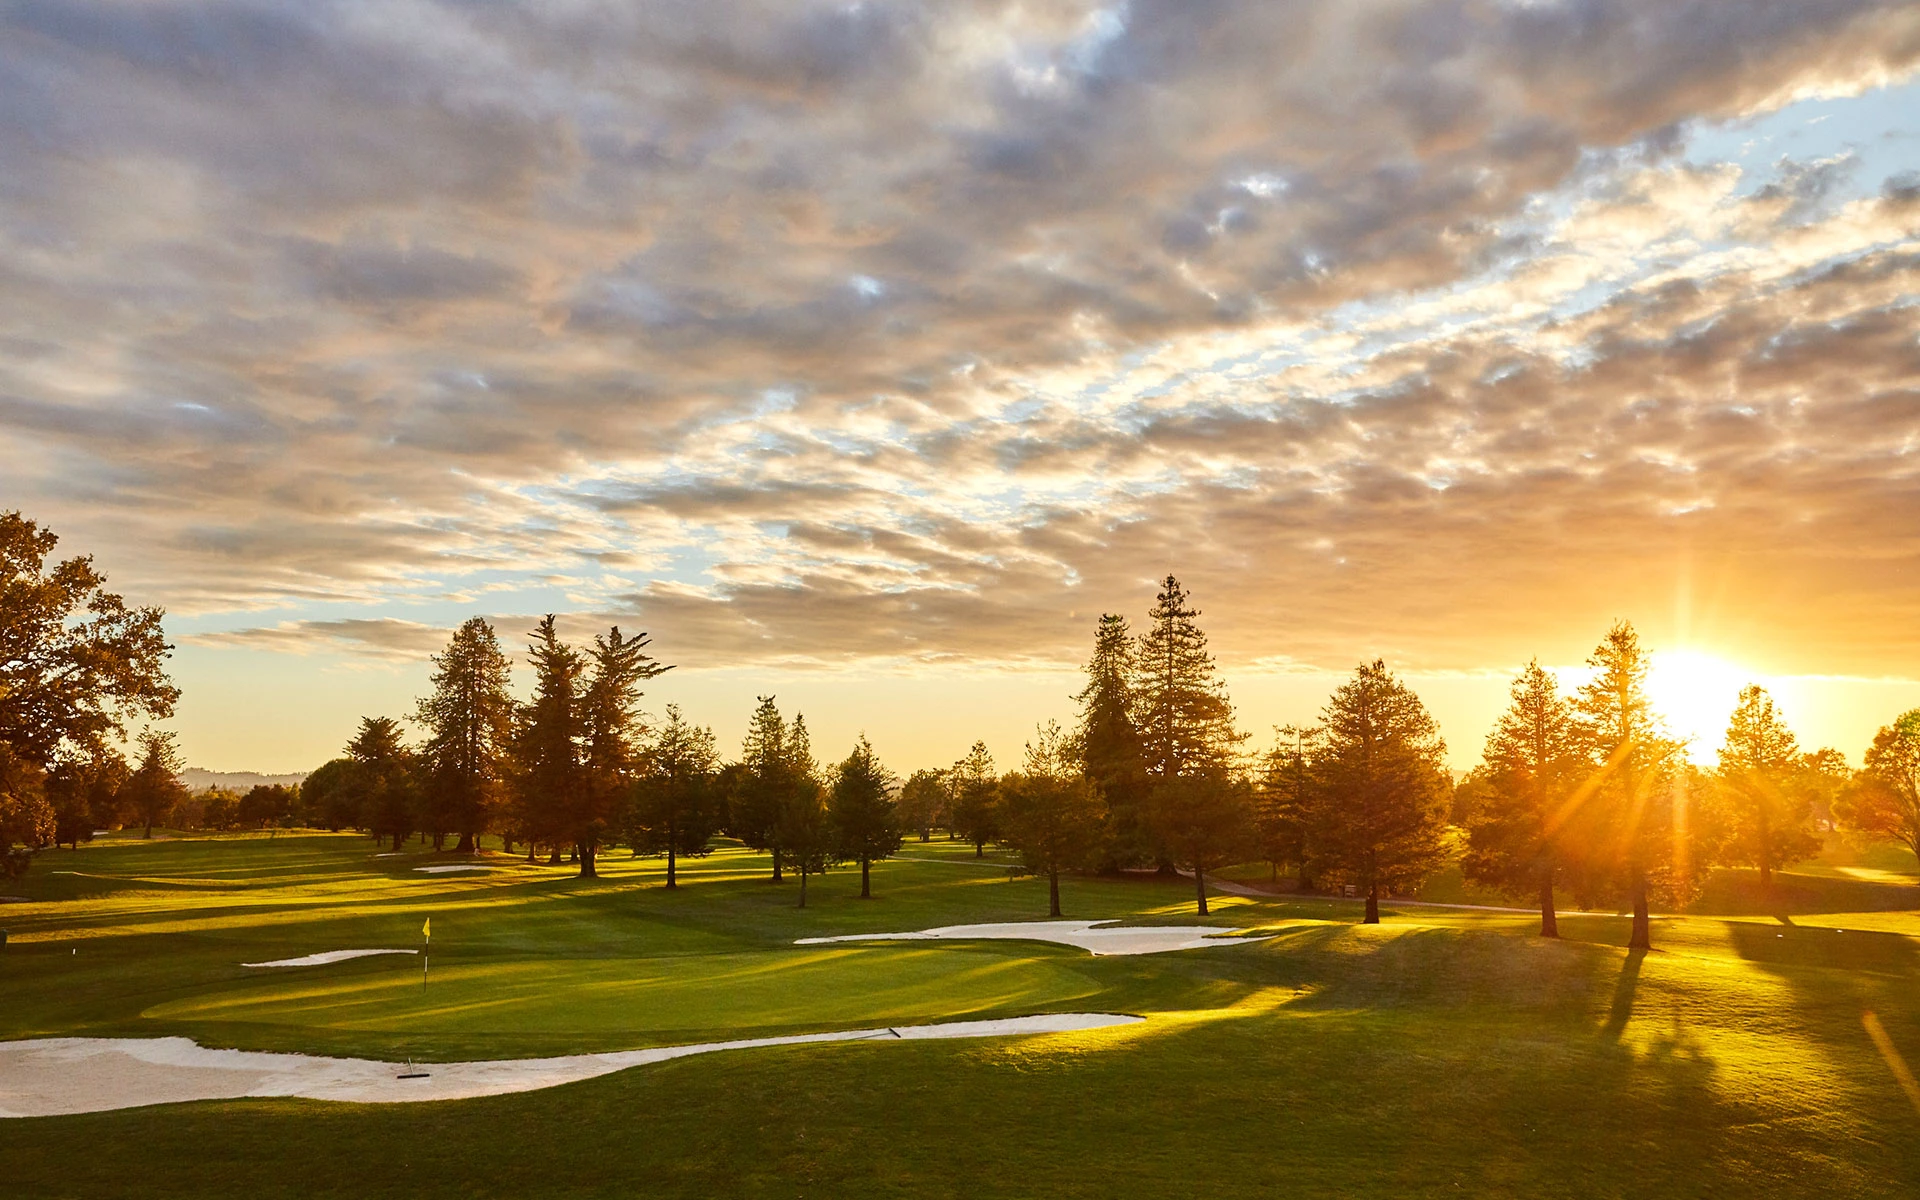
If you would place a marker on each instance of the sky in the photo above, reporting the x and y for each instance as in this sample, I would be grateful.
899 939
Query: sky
864 354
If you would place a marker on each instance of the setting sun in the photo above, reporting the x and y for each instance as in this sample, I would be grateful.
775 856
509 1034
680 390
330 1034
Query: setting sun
1695 693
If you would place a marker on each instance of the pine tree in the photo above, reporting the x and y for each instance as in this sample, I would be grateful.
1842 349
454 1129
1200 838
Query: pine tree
1632 834
974 792
865 824
549 775
1382 780
806 835
755 804
1527 793
1181 710
1284 810
1109 743
1762 782
381 787
610 734
673 809
469 723
1052 814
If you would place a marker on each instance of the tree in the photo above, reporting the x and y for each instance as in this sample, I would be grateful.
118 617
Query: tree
1109 743
1181 710
1200 821
922 802
1052 814
1632 834
327 795
548 775
1284 808
1763 782
673 809
154 789
27 821
84 793
865 824
610 735
974 792
806 835
75 662
380 787
1526 791
1885 798
469 724
1383 782
268 804
758 799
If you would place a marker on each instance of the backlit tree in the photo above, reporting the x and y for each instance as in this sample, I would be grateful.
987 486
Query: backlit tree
1051 812
860 806
1763 784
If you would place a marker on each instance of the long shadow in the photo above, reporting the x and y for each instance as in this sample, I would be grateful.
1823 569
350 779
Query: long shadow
1621 1010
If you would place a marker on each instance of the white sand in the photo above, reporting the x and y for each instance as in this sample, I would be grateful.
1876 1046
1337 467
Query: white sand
52 1076
327 956
443 868
1095 937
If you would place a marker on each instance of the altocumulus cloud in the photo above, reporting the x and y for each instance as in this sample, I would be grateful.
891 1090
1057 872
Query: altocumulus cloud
820 332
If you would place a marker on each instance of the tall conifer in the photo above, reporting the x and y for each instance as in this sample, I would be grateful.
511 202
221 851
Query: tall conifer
1763 781
1109 742
1180 707
469 723
549 775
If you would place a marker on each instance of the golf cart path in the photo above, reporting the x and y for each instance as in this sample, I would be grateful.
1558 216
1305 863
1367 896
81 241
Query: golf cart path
1241 889
1095 937
57 1076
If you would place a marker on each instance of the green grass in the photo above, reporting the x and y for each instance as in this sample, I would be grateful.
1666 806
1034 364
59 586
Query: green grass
1444 1052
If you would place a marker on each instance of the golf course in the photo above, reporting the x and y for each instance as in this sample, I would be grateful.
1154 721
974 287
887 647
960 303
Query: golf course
1757 1050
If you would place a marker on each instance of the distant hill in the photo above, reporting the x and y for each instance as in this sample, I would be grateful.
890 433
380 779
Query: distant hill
199 779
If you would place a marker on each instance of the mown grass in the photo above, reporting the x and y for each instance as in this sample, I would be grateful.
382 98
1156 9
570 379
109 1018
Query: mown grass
1444 1052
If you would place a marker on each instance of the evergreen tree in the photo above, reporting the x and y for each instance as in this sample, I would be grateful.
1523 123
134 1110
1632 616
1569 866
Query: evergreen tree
865 823
1052 814
1383 783
1763 780
974 792
1201 821
549 776
806 835
1284 809
610 734
469 724
1632 834
1884 799
1180 708
381 786
674 808
1109 743
758 798
1527 791
327 796
922 803
154 789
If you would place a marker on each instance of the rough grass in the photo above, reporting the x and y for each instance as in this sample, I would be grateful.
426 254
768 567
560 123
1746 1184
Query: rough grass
1443 1052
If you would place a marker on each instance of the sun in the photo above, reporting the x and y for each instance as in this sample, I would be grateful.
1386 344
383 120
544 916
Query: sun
1695 694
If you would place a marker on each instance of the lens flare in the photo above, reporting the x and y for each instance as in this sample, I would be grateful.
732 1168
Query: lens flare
1696 693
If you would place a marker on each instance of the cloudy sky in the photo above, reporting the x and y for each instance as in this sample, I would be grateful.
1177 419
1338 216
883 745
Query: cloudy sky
865 353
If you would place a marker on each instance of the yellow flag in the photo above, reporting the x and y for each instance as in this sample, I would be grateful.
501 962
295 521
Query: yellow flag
426 930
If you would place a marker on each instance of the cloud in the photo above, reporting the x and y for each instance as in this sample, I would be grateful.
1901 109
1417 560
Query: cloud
929 331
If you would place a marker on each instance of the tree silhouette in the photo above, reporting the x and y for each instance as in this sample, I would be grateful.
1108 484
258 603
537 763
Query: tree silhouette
973 789
1109 743
381 786
1180 708
154 789
549 776
673 811
1885 798
610 735
1763 784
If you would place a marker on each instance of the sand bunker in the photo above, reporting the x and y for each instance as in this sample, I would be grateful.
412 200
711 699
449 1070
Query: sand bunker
1095 937
327 956
53 1076
443 868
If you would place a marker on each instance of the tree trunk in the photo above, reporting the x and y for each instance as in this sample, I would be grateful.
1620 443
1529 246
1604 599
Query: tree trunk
149 832
1642 938
584 852
553 856
466 843
1373 905
1200 887
1766 875
671 881
866 892
803 887
776 864
1053 892
979 849
1549 920
399 840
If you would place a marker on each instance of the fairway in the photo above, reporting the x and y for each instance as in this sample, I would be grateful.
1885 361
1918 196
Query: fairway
1443 1052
